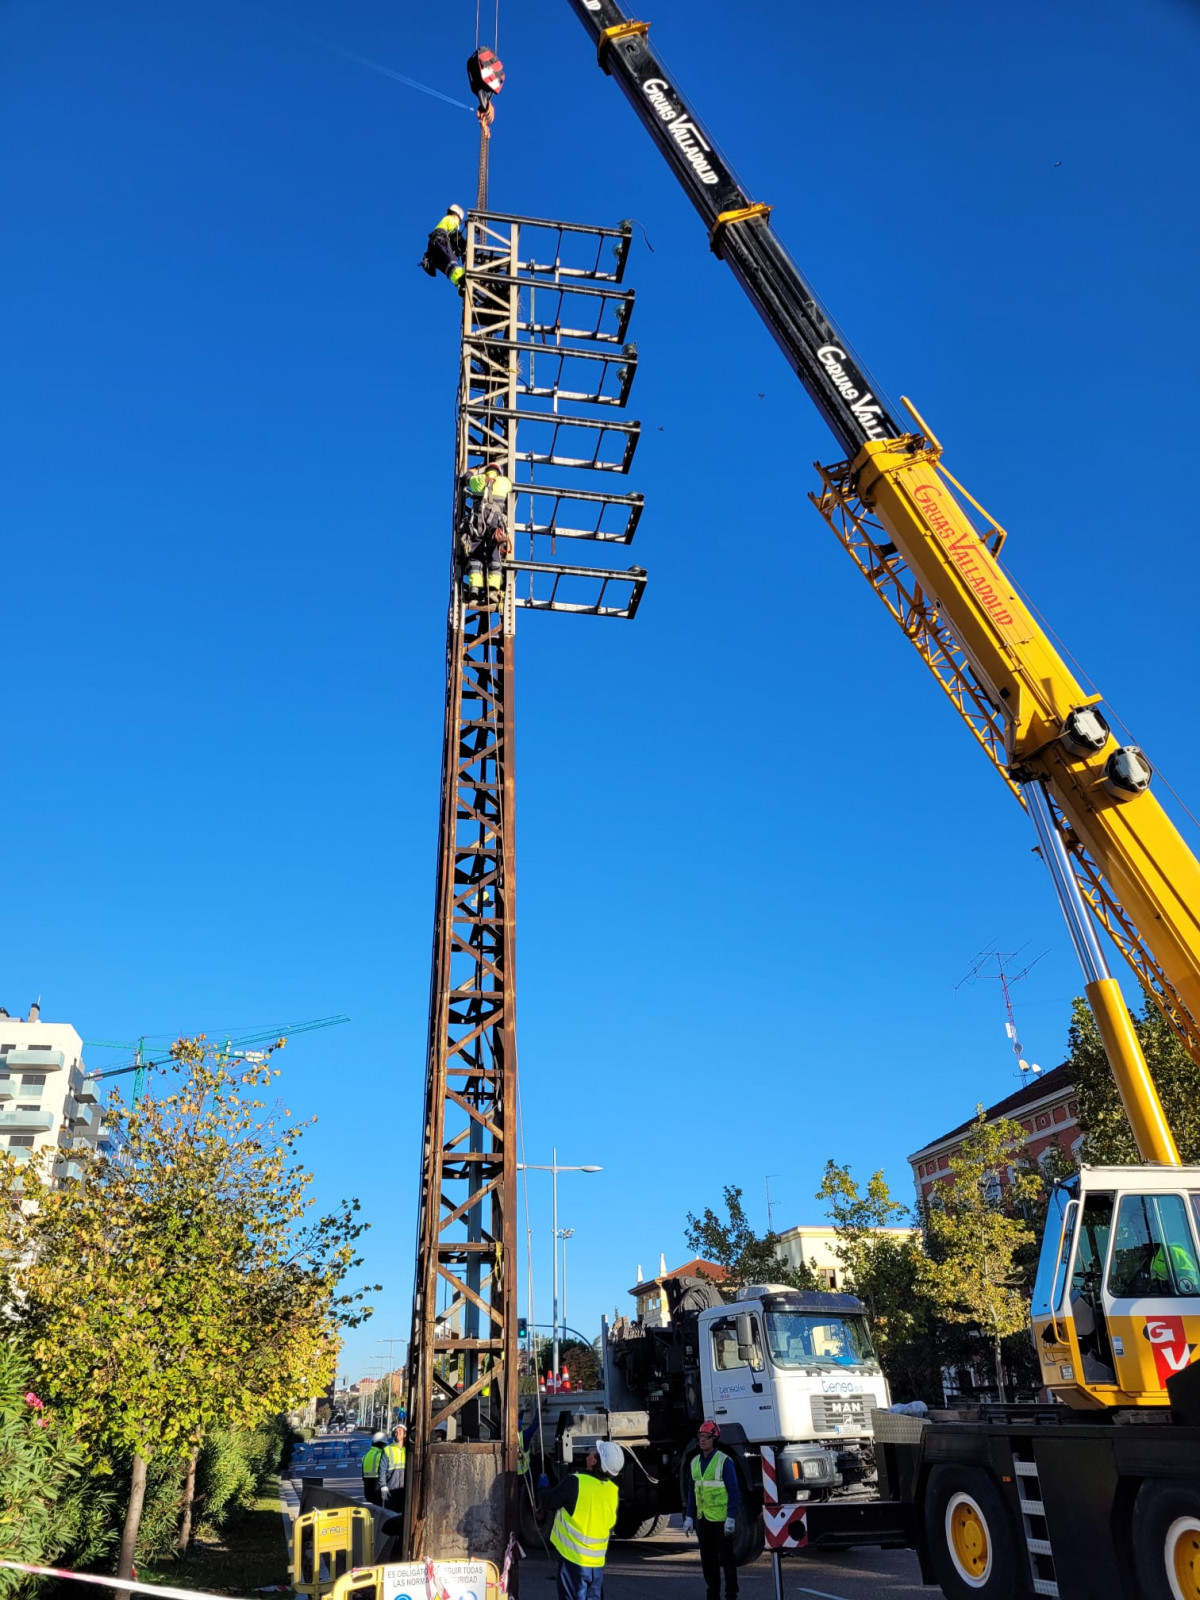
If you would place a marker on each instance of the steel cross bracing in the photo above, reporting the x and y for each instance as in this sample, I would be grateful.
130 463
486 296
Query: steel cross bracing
866 541
544 368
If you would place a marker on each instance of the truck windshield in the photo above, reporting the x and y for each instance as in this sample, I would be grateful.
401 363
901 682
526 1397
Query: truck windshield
799 1339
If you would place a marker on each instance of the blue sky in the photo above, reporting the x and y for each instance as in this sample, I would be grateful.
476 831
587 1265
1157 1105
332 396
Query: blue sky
756 850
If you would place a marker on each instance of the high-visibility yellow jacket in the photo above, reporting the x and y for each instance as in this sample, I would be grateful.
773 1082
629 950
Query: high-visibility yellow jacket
708 1482
581 1536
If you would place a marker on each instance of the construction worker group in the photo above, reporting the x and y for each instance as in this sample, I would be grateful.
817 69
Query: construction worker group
383 1469
585 1513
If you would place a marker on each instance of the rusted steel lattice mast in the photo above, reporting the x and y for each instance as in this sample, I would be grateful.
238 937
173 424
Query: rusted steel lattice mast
544 326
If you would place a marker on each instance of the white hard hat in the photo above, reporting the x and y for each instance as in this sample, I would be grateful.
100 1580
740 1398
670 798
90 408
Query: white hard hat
457 211
379 1438
612 1457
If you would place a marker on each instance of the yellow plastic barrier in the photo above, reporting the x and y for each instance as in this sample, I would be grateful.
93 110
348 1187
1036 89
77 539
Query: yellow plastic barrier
327 1544
452 1580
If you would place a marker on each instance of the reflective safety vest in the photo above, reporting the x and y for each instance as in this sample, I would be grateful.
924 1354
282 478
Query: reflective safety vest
497 487
708 1480
370 1463
581 1536
396 1455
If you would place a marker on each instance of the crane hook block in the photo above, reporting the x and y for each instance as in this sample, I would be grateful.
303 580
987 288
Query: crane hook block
485 74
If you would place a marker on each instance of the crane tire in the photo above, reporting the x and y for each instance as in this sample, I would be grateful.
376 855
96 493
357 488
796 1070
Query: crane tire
1166 1539
969 1535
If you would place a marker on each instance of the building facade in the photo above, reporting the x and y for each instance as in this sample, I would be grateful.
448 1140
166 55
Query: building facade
650 1297
46 1098
1046 1108
816 1247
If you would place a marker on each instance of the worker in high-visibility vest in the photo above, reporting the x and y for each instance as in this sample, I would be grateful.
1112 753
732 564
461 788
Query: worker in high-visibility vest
713 1502
485 529
374 1470
445 246
585 1504
395 1457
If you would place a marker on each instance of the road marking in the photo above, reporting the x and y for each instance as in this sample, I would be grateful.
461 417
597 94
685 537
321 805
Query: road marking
821 1593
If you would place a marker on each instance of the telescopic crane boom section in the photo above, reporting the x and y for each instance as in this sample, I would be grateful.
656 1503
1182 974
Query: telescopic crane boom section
904 519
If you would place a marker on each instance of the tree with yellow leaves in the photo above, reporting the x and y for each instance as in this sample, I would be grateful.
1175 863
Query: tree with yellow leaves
185 1281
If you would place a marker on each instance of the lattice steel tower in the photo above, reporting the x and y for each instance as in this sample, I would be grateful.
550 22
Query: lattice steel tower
545 321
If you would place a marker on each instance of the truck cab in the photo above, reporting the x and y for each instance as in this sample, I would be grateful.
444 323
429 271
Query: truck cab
795 1370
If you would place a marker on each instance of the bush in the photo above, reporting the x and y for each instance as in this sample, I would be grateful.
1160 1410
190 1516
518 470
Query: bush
233 1467
50 1509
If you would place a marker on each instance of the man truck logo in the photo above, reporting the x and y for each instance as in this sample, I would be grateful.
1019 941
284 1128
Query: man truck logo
681 128
1168 1340
962 546
864 406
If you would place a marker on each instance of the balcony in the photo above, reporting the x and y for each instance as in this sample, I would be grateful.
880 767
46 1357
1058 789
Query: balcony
85 1090
86 1120
16 1153
35 1061
8 1088
26 1121
66 1169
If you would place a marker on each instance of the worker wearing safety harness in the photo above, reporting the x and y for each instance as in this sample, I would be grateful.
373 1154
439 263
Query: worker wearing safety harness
485 529
445 246
374 1470
714 1500
586 1507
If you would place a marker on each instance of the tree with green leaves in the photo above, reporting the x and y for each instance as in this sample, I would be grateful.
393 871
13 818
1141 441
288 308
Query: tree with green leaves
1108 1140
747 1257
184 1282
885 1270
975 1235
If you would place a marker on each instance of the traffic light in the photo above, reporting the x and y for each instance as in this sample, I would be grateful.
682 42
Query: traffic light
522 1328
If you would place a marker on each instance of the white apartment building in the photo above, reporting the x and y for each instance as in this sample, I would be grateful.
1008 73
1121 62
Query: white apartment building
45 1098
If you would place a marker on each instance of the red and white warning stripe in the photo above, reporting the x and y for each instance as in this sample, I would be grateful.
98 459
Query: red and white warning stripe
786 1527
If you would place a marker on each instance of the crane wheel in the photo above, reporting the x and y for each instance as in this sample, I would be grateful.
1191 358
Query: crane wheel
969 1536
1166 1539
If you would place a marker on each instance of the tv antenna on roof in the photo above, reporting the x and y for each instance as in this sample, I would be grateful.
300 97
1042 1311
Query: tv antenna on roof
1028 1070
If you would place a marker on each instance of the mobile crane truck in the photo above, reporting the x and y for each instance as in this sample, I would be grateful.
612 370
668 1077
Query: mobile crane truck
1096 1495
781 1367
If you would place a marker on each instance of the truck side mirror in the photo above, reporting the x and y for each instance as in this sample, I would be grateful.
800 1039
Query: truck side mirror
745 1337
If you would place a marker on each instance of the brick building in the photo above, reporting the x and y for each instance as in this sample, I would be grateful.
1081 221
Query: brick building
1046 1108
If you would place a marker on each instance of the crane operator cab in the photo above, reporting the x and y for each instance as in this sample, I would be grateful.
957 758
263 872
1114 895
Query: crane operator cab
1116 1302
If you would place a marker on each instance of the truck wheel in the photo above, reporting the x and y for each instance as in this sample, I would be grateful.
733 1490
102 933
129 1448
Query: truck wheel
968 1535
1166 1540
749 1537
651 1527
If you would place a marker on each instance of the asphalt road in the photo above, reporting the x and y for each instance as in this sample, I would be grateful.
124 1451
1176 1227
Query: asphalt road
670 1565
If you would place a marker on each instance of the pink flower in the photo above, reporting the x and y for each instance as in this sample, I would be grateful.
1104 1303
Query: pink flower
32 1400
43 1422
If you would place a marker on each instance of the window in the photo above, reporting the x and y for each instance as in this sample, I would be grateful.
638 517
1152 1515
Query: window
797 1339
725 1346
1153 1253
20 1141
29 1108
828 1276
992 1191
1093 1247
5 1048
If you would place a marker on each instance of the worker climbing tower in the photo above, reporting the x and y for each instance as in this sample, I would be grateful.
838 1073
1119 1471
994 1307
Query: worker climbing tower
544 377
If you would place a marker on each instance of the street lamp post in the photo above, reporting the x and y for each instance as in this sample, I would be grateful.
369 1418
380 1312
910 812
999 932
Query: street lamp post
564 1235
554 1169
